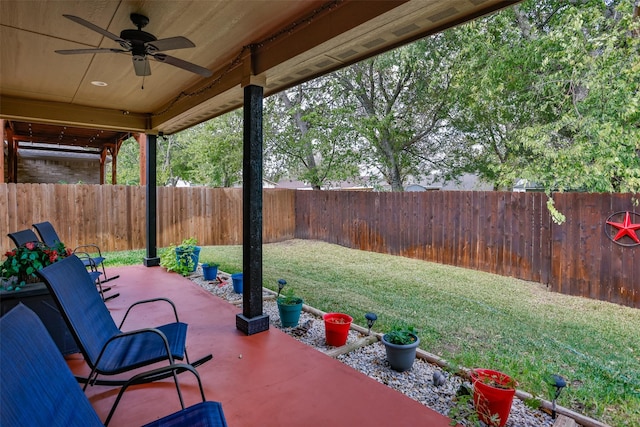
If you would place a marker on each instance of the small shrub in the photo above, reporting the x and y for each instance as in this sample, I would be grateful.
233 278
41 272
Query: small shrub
401 335
288 297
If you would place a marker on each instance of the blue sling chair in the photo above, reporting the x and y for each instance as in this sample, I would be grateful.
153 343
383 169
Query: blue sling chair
90 254
106 349
39 390
23 237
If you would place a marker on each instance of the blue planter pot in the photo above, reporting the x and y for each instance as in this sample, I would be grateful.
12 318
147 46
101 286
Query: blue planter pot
237 282
193 253
210 272
290 313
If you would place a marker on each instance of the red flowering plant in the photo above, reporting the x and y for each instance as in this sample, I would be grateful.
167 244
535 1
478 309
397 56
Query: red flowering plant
22 263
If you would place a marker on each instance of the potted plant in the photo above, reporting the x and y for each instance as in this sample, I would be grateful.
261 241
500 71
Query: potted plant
336 328
493 394
22 263
21 285
237 281
400 345
188 253
289 306
210 270
183 259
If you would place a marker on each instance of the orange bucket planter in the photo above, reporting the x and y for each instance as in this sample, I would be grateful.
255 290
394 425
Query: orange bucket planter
493 394
336 327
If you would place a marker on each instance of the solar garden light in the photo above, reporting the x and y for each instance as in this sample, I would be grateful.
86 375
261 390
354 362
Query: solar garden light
559 383
281 283
371 319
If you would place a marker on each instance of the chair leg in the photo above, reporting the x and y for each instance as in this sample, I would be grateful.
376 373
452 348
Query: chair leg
103 290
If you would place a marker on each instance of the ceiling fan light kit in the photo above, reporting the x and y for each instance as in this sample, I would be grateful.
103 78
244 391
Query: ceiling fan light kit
142 46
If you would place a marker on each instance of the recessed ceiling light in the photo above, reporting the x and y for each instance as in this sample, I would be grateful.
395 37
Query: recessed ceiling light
98 83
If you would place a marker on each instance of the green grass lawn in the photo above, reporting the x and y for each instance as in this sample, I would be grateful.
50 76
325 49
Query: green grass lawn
469 318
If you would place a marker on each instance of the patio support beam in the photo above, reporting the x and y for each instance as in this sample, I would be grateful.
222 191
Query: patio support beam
252 320
152 259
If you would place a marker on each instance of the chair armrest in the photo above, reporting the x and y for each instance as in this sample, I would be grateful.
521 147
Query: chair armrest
91 245
146 301
144 377
85 256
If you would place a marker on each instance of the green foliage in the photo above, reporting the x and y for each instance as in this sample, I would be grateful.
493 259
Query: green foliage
23 262
182 264
168 259
288 297
401 335
213 151
401 108
556 215
208 263
128 168
188 244
113 259
464 411
548 91
308 135
499 380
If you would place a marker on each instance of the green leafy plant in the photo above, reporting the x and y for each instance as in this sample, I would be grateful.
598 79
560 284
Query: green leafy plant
498 381
188 244
401 335
23 262
210 264
463 410
182 264
288 297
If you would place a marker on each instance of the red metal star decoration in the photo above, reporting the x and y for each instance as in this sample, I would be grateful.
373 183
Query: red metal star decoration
626 228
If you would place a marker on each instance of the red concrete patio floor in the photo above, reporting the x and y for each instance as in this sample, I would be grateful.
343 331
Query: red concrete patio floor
266 379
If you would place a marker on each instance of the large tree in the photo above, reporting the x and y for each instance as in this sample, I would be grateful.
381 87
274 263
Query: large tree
308 135
402 108
549 91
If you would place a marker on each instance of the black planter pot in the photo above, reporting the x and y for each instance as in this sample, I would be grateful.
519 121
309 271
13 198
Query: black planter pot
36 296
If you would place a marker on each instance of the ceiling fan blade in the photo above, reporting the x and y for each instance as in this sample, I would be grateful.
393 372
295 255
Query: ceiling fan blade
160 57
99 50
141 66
170 43
94 27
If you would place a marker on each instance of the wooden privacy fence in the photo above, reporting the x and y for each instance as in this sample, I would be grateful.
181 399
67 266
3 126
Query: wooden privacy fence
113 216
505 233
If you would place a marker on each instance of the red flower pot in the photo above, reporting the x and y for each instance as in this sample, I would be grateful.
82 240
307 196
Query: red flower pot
493 394
336 327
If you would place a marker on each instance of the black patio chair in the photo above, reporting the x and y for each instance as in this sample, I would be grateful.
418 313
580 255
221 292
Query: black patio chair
107 350
90 254
23 236
38 388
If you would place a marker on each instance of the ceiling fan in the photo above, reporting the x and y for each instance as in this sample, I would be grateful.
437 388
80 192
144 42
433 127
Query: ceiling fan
142 46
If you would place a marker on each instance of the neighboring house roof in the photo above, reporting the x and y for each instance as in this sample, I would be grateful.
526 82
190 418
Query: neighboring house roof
467 182
523 185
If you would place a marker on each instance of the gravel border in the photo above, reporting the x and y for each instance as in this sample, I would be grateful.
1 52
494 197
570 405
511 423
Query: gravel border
417 383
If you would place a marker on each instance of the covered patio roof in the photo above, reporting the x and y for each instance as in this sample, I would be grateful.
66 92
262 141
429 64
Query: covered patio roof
275 44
